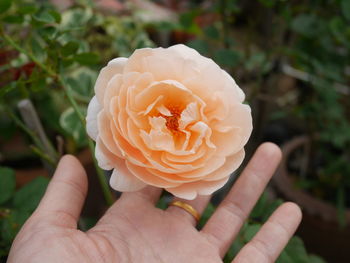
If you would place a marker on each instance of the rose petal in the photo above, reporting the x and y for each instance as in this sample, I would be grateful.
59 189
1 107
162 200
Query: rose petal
123 180
105 158
91 118
231 164
171 89
214 163
112 90
114 67
106 135
229 142
190 191
145 176
189 115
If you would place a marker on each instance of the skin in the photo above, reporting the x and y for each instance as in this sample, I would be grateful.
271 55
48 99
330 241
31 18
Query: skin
134 230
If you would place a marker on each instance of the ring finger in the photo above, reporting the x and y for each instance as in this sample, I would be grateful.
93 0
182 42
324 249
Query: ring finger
199 204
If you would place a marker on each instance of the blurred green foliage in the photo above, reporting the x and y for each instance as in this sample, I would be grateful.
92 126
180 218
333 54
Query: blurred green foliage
39 45
16 205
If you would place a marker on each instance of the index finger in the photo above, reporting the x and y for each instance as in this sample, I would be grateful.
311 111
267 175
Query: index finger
65 194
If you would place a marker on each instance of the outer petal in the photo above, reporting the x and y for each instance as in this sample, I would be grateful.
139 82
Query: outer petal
192 55
106 135
231 164
190 191
114 67
104 158
232 85
91 118
236 130
144 175
124 181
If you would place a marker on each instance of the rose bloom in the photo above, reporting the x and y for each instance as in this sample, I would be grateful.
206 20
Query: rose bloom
170 118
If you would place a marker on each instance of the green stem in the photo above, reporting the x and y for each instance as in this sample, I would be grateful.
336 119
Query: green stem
20 124
31 56
43 155
103 181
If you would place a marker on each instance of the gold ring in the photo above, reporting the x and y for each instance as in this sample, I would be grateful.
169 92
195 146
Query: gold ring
188 208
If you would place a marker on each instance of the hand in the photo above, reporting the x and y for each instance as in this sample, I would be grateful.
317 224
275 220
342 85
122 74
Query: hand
134 230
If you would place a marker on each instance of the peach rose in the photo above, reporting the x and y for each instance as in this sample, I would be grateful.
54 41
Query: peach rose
170 118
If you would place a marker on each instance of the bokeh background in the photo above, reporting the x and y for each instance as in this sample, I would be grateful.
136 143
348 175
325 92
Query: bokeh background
291 58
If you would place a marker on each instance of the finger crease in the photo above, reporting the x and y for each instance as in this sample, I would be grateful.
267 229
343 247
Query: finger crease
76 188
262 248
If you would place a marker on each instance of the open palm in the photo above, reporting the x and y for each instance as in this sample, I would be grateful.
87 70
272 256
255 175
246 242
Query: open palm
134 230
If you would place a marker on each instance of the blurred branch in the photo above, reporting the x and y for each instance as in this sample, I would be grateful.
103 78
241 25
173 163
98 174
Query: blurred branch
36 149
45 157
307 77
32 121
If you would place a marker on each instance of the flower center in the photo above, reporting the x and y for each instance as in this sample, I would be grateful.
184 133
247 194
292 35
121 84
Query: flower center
172 122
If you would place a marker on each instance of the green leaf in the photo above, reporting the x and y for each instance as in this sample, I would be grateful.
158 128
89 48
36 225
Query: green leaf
227 57
285 258
338 26
45 18
250 231
187 19
7 184
70 48
48 32
87 58
234 249
212 32
187 22
5 5
163 203
296 251
12 223
268 3
308 25
255 61
260 206
70 122
6 89
37 49
39 84
345 8
206 214
200 45
76 17
87 222
341 206
27 8
13 19
27 198
55 15
81 85
316 259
